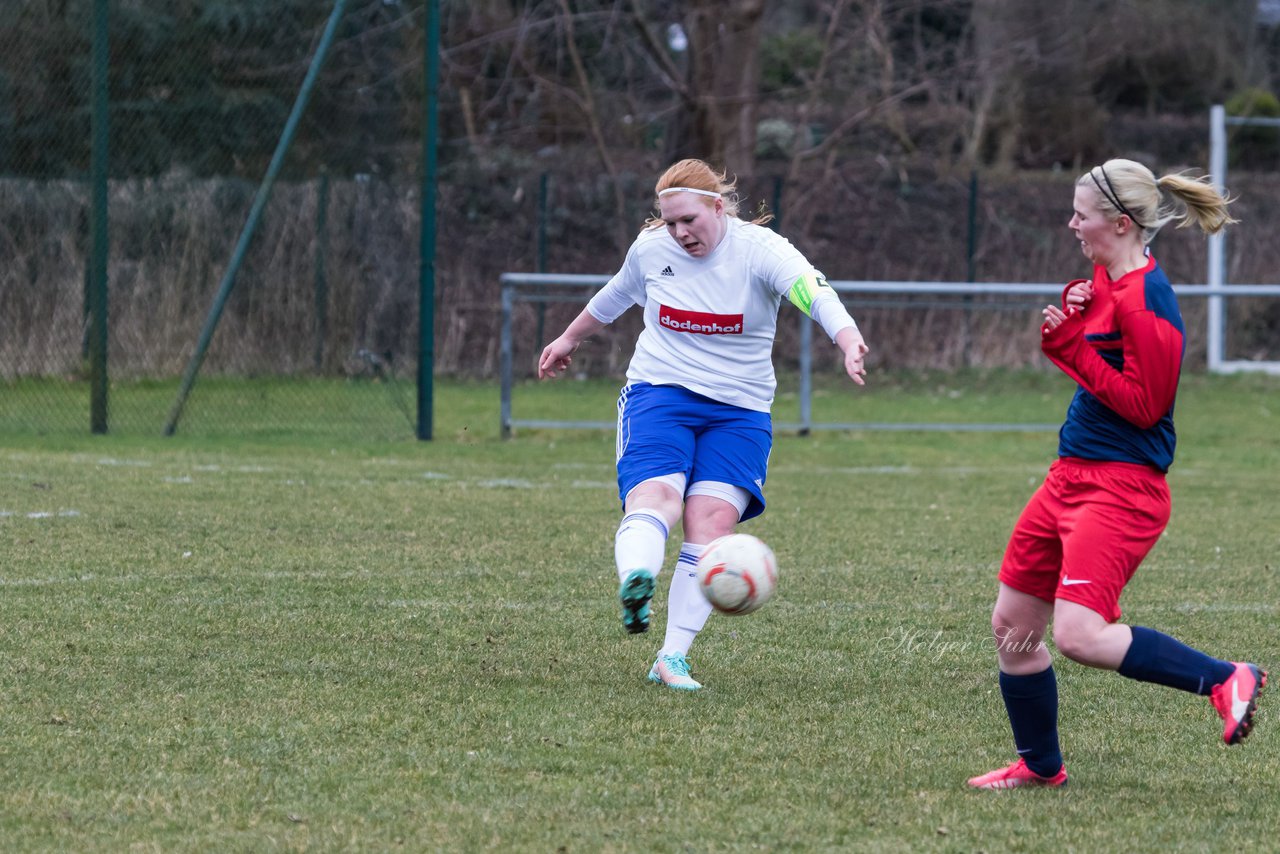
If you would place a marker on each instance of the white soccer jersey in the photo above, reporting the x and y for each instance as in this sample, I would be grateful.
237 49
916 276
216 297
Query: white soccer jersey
709 322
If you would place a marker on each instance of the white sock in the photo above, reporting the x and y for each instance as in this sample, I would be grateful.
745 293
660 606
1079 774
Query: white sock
641 543
687 608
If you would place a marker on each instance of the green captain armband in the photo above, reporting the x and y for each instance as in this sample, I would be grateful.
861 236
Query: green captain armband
805 288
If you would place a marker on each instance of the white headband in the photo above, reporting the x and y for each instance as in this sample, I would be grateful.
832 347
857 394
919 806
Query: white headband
710 193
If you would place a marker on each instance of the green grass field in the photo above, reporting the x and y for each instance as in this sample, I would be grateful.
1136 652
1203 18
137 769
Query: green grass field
303 642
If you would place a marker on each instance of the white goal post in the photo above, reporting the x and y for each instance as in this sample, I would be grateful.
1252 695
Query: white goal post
1216 337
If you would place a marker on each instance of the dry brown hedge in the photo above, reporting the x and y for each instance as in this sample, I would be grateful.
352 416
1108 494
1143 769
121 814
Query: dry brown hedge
171 241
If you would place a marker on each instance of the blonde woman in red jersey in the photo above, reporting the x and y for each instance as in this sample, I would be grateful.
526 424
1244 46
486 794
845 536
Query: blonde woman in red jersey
1105 501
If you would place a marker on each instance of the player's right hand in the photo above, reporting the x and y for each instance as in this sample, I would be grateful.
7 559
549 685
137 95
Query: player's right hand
556 357
1053 318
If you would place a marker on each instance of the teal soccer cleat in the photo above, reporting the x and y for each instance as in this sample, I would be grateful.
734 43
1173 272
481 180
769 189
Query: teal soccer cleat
673 671
634 593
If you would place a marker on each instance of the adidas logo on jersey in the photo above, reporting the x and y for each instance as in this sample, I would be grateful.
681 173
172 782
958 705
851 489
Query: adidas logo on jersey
666 271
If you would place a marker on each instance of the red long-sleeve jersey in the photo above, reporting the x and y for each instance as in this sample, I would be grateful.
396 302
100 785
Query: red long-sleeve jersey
1125 350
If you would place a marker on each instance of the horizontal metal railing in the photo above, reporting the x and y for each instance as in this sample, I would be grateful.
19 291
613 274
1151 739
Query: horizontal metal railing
533 287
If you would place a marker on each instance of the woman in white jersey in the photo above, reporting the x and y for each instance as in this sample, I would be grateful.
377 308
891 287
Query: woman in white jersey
694 431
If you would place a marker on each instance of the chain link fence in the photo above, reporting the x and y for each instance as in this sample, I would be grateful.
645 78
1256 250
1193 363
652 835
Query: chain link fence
320 330
320 327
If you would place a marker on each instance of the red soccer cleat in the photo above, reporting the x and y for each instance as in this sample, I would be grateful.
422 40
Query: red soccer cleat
1237 700
1016 775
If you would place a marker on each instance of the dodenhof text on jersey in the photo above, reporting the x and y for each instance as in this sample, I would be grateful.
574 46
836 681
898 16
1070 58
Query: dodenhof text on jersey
701 322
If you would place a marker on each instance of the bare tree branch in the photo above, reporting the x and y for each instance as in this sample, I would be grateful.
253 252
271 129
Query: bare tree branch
654 50
588 106
831 139
815 85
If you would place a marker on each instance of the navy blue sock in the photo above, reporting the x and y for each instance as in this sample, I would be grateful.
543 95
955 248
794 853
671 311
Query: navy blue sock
1156 657
1032 704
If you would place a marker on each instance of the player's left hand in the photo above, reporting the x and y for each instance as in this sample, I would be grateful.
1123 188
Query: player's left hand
1079 295
854 361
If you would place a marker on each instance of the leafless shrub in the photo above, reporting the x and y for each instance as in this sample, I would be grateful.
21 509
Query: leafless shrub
172 241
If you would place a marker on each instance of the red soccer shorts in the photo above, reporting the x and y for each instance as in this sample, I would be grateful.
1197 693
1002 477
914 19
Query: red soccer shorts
1084 532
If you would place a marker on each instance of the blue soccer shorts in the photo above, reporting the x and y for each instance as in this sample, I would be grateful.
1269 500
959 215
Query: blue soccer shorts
666 429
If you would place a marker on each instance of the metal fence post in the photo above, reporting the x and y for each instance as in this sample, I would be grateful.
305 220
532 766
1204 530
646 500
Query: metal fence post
806 374
427 235
97 296
505 362
1216 333
321 277
542 249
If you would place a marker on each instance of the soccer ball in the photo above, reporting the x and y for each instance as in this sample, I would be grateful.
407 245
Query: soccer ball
737 573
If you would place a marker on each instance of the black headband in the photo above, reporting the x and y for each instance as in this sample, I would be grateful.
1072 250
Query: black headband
1112 197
